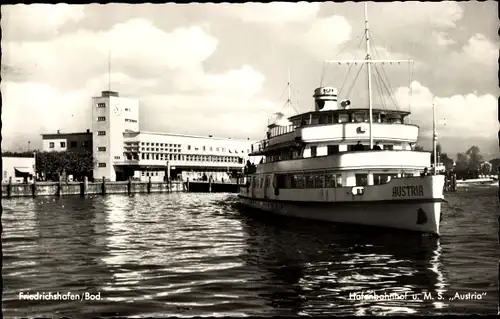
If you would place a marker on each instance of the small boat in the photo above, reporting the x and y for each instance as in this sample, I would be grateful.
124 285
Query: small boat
347 165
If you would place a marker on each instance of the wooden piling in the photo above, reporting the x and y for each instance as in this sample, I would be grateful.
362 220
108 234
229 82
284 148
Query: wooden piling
33 188
59 187
187 185
210 184
129 186
103 186
9 188
149 185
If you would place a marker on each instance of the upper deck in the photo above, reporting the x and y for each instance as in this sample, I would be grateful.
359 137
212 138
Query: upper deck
339 126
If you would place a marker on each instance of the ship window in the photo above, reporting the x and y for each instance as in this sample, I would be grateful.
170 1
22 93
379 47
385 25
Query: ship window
332 149
330 180
359 117
379 179
318 181
339 180
361 179
300 181
323 119
343 118
388 147
314 151
309 181
280 181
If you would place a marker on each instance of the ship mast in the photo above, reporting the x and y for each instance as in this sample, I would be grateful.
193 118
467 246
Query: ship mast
434 137
289 101
368 64
369 61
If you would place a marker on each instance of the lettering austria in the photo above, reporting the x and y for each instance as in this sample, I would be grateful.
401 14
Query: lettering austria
406 191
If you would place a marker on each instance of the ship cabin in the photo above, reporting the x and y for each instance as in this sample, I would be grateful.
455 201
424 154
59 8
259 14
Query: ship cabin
339 139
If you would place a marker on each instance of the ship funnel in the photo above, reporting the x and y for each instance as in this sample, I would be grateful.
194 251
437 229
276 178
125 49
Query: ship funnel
325 99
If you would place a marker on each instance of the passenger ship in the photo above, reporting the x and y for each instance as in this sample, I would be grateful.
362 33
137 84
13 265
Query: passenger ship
347 165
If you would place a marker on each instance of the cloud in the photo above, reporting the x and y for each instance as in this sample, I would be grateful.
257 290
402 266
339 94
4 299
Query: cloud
443 14
164 70
34 20
242 82
442 38
272 13
321 38
479 49
73 58
467 115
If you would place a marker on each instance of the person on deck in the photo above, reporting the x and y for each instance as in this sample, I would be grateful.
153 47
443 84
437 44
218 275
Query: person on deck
359 146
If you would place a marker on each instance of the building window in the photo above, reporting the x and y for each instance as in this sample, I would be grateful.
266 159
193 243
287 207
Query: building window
117 157
101 133
102 164
51 144
101 118
101 149
189 147
63 144
101 105
204 148
142 156
73 144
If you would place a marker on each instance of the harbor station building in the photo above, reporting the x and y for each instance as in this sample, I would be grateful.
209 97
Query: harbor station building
122 151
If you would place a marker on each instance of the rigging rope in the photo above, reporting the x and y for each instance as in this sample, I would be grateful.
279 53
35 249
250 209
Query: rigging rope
352 85
350 67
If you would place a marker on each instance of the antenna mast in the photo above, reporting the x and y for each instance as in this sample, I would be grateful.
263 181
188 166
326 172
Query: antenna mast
368 64
109 71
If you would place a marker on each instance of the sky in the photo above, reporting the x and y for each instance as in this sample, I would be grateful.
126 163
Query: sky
222 69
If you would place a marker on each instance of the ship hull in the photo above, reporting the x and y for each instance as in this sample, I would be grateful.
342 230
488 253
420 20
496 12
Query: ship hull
412 215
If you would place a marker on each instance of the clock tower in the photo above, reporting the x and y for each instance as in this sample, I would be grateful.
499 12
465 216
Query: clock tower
112 115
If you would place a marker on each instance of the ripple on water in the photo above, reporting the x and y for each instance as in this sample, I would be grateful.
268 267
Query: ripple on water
195 255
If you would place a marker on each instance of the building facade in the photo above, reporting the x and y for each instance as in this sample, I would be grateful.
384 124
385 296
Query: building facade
122 151
74 142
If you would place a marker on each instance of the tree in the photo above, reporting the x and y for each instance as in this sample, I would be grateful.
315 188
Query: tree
418 148
54 164
475 158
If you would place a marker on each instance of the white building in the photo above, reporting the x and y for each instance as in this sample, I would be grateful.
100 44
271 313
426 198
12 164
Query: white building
122 150
21 169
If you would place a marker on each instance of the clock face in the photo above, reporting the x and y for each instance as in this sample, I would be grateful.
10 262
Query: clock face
117 110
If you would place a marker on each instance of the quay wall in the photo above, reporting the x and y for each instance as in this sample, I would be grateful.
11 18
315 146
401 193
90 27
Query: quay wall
85 188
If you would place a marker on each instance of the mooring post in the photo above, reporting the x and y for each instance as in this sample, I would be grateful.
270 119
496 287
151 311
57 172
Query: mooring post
59 186
498 169
210 184
170 184
129 186
103 186
9 188
85 187
187 185
33 187
149 185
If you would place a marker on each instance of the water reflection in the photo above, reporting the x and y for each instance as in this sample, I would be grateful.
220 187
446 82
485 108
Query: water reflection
316 268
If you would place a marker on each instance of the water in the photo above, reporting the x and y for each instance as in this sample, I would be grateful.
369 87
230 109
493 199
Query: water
196 255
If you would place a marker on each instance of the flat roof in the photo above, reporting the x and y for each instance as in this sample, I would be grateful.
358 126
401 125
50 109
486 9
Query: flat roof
58 135
192 136
353 110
